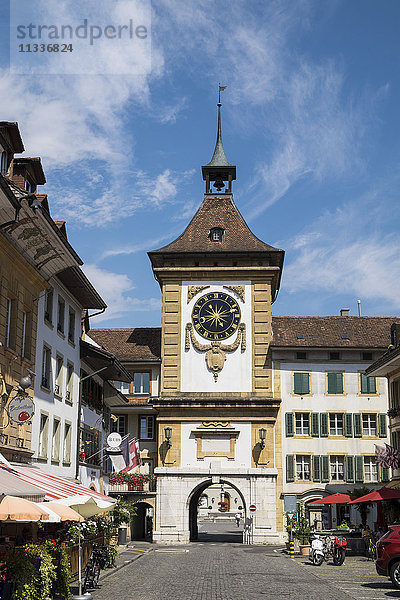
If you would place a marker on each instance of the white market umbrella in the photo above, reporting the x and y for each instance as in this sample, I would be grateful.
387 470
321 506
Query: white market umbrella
60 512
87 506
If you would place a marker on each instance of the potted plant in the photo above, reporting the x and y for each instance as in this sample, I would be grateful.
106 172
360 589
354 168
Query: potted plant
302 532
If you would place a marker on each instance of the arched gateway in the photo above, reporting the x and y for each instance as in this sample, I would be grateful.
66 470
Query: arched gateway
218 404
193 504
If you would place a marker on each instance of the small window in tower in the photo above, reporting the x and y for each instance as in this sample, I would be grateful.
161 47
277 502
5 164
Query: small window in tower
216 234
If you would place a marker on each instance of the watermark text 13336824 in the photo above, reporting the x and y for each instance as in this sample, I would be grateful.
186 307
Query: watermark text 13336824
93 37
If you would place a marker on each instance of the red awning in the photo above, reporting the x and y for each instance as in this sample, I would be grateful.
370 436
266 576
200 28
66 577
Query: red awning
11 485
384 493
332 499
55 487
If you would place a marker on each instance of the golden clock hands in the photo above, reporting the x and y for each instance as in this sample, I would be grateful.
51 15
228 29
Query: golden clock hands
217 315
217 312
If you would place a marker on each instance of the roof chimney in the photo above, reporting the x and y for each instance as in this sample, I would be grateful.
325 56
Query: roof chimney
344 312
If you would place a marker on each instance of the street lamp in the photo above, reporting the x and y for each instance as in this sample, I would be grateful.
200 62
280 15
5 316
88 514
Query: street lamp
168 434
262 432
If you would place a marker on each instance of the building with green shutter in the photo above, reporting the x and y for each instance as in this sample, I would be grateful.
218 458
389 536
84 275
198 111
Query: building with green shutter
332 412
388 366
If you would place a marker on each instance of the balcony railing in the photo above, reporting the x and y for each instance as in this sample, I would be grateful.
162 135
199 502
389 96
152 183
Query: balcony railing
148 486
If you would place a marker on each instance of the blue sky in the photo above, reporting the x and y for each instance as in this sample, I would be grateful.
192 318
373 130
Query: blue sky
310 118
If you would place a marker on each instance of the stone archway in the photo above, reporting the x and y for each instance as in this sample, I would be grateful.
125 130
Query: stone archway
193 501
142 523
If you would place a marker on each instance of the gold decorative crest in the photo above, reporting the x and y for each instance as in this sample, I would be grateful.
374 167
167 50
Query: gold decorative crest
240 290
215 352
193 290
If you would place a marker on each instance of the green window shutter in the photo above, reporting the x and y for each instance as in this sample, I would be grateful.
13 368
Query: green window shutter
368 384
323 424
325 470
357 425
359 469
289 467
316 465
289 423
348 425
315 424
382 425
301 383
335 383
350 469
363 383
371 385
384 473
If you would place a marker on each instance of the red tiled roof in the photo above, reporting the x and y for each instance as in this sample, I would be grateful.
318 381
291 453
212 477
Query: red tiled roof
332 332
134 344
144 344
218 211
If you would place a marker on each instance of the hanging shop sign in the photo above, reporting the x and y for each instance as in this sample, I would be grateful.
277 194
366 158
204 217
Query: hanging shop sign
21 409
114 440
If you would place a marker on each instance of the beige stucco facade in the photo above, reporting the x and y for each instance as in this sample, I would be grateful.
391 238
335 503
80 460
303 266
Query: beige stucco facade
21 285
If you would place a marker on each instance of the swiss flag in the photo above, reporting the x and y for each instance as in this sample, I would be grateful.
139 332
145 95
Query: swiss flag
134 457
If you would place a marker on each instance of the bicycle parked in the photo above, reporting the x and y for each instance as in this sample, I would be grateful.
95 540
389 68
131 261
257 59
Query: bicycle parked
100 558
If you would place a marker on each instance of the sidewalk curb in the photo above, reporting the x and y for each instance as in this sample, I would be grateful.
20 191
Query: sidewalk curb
113 570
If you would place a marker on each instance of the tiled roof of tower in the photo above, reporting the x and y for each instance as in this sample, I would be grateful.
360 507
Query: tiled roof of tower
133 344
332 332
219 211
144 344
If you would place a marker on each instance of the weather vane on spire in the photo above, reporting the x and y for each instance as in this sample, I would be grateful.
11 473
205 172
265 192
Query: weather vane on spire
219 169
221 88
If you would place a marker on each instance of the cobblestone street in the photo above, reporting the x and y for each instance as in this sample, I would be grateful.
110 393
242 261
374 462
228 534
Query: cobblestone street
218 571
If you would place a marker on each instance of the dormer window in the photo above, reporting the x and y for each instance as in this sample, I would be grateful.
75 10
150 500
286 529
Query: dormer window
29 187
216 234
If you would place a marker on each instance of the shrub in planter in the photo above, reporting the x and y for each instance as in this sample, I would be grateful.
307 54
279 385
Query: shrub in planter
20 572
302 528
63 573
45 569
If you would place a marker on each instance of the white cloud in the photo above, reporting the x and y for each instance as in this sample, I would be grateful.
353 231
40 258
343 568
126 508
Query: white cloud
170 113
115 289
304 107
156 190
313 125
115 202
345 252
133 249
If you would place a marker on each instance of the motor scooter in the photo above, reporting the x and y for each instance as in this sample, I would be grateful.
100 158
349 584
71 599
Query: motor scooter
316 552
325 547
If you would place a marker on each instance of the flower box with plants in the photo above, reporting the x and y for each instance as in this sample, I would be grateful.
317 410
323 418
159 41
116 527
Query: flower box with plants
393 412
134 481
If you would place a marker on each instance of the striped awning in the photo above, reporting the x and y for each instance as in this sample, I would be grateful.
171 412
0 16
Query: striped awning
54 487
12 485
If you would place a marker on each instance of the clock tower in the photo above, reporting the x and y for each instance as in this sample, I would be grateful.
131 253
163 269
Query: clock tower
218 408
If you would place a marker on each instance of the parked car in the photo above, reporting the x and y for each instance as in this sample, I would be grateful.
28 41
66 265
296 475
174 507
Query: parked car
388 555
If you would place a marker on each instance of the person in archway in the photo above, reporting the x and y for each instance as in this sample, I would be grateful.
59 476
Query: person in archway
238 516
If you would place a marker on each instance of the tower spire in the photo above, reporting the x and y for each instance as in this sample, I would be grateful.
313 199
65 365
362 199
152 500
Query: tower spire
219 169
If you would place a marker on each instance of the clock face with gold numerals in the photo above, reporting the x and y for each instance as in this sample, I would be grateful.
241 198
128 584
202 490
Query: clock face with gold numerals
216 316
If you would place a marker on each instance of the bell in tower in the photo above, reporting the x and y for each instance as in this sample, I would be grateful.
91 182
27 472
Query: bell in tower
219 170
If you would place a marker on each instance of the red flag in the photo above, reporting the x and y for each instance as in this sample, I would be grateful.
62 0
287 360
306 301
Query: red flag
134 457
